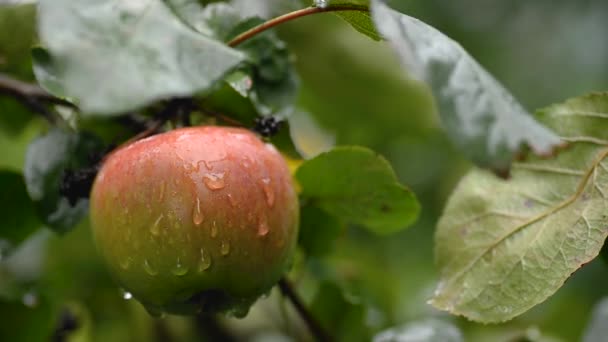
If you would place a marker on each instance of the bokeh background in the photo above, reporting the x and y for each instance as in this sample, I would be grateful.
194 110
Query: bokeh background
543 51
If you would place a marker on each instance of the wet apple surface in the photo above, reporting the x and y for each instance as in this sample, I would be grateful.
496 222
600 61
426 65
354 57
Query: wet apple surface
196 219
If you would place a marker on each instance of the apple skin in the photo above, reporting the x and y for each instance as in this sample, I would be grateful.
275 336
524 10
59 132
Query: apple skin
200 219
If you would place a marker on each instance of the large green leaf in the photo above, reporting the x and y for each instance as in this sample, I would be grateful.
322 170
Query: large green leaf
481 117
505 246
116 56
358 186
18 213
47 158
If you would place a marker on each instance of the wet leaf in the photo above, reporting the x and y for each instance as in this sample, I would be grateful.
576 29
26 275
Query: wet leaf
505 246
112 56
358 186
480 116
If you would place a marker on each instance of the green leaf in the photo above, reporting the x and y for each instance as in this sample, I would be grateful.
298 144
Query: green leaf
597 330
32 322
318 231
47 157
505 246
117 56
430 330
18 213
360 20
344 319
481 117
358 186
45 72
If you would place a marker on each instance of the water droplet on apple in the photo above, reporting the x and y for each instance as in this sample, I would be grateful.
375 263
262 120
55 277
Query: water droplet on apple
180 269
225 248
263 227
205 261
127 295
214 181
268 191
232 200
214 230
155 229
161 191
197 216
149 269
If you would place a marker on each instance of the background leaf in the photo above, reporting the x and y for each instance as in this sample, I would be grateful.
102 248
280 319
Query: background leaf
47 157
116 56
480 116
365 191
16 209
318 230
504 247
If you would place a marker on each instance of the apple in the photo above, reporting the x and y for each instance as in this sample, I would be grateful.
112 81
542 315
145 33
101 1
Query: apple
200 219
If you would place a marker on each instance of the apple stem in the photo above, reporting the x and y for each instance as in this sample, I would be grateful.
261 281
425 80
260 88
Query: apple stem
315 327
291 16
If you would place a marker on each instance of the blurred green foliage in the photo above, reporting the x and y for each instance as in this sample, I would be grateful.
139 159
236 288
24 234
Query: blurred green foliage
543 51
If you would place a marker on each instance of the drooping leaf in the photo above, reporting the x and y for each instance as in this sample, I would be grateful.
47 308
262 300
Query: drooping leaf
47 158
597 330
480 116
505 246
430 330
358 186
113 56
18 213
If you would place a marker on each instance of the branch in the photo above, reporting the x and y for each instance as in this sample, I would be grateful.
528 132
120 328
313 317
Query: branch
291 16
32 96
315 327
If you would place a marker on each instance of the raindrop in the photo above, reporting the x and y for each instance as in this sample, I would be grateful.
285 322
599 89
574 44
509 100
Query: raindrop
161 192
268 191
263 227
127 295
214 230
180 269
321 3
149 269
155 229
197 216
30 299
225 248
214 181
205 261
232 200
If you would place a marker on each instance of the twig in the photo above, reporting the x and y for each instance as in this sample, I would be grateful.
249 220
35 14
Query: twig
315 327
31 96
291 16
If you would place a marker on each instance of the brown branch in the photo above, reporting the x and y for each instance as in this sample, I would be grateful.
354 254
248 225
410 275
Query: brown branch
291 16
315 327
